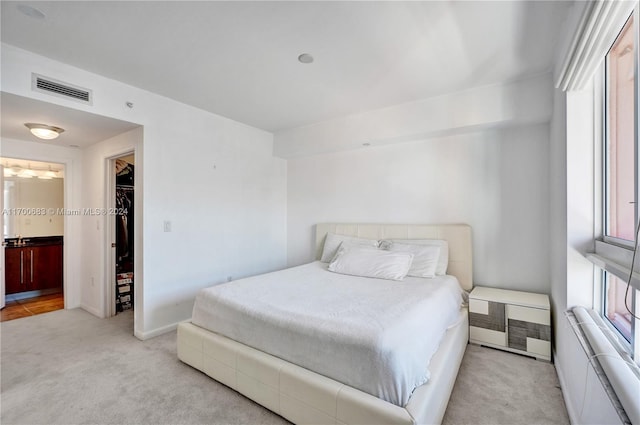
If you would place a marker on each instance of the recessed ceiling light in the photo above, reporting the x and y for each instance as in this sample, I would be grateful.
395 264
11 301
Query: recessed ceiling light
31 12
305 58
366 144
43 131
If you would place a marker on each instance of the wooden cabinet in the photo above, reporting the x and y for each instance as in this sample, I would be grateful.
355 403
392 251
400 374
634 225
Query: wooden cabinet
13 265
33 268
47 267
511 320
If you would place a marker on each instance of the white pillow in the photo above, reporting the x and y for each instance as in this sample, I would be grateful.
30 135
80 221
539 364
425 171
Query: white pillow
425 258
366 262
443 260
333 241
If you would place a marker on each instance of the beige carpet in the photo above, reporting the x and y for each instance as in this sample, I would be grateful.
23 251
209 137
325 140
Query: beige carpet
68 367
496 387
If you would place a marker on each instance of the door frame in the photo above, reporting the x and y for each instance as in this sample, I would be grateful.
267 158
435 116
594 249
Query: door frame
110 237
70 290
2 282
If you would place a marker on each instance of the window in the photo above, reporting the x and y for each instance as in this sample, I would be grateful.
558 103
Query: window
620 141
619 315
620 181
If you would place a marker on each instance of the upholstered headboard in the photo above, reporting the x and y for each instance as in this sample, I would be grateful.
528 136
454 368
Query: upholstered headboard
458 236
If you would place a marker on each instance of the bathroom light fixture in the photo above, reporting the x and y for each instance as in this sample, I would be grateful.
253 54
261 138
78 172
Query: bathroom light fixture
48 175
43 131
9 172
27 173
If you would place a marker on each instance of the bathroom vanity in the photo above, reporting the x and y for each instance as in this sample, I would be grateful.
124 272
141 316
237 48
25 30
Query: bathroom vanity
33 264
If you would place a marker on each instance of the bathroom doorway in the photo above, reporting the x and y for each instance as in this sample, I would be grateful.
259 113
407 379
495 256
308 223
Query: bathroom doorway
33 237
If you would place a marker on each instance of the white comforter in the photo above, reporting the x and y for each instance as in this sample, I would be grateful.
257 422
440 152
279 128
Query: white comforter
371 334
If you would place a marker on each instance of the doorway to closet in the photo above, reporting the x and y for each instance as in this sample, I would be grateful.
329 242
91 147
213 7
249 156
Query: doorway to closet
123 260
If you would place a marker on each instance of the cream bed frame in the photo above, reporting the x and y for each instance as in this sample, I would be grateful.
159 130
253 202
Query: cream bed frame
302 396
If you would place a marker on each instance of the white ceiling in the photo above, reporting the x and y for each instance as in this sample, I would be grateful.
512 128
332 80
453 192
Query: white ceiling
81 128
239 59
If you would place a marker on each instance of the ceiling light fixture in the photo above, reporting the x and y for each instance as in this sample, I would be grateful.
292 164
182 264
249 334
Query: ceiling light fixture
305 58
43 131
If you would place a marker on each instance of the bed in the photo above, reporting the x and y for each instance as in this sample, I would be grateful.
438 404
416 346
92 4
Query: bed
304 396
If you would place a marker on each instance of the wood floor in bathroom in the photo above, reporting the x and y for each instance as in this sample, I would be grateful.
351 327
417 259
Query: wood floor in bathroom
16 309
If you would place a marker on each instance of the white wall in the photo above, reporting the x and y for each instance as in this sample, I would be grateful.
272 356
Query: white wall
572 232
558 210
225 195
95 237
215 179
480 157
581 206
513 103
495 180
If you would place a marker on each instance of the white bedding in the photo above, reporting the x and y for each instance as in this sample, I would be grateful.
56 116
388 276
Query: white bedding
371 334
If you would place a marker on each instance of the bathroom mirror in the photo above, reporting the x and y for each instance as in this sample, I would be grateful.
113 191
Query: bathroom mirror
33 195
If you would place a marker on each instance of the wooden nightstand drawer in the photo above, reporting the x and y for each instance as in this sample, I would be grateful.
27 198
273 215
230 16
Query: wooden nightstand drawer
487 322
511 320
487 335
528 314
479 306
487 315
536 346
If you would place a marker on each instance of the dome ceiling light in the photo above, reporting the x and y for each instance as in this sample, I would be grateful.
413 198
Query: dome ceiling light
43 131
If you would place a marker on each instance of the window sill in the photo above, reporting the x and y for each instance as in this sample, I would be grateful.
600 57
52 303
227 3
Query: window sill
616 260
622 272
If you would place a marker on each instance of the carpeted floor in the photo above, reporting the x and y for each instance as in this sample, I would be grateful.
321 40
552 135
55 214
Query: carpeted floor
68 367
496 387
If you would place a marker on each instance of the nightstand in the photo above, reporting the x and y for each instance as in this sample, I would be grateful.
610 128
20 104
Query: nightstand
514 321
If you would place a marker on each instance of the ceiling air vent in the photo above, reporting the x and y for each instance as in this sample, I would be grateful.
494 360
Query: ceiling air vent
50 86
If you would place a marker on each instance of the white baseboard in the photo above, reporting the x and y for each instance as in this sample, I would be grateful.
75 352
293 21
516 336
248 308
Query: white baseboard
571 411
156 332
92 310
137 333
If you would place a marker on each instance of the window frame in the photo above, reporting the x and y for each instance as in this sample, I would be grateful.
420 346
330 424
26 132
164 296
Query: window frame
628 345
605 138
617 248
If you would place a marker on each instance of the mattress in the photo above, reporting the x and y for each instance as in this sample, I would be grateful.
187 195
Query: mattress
371 334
